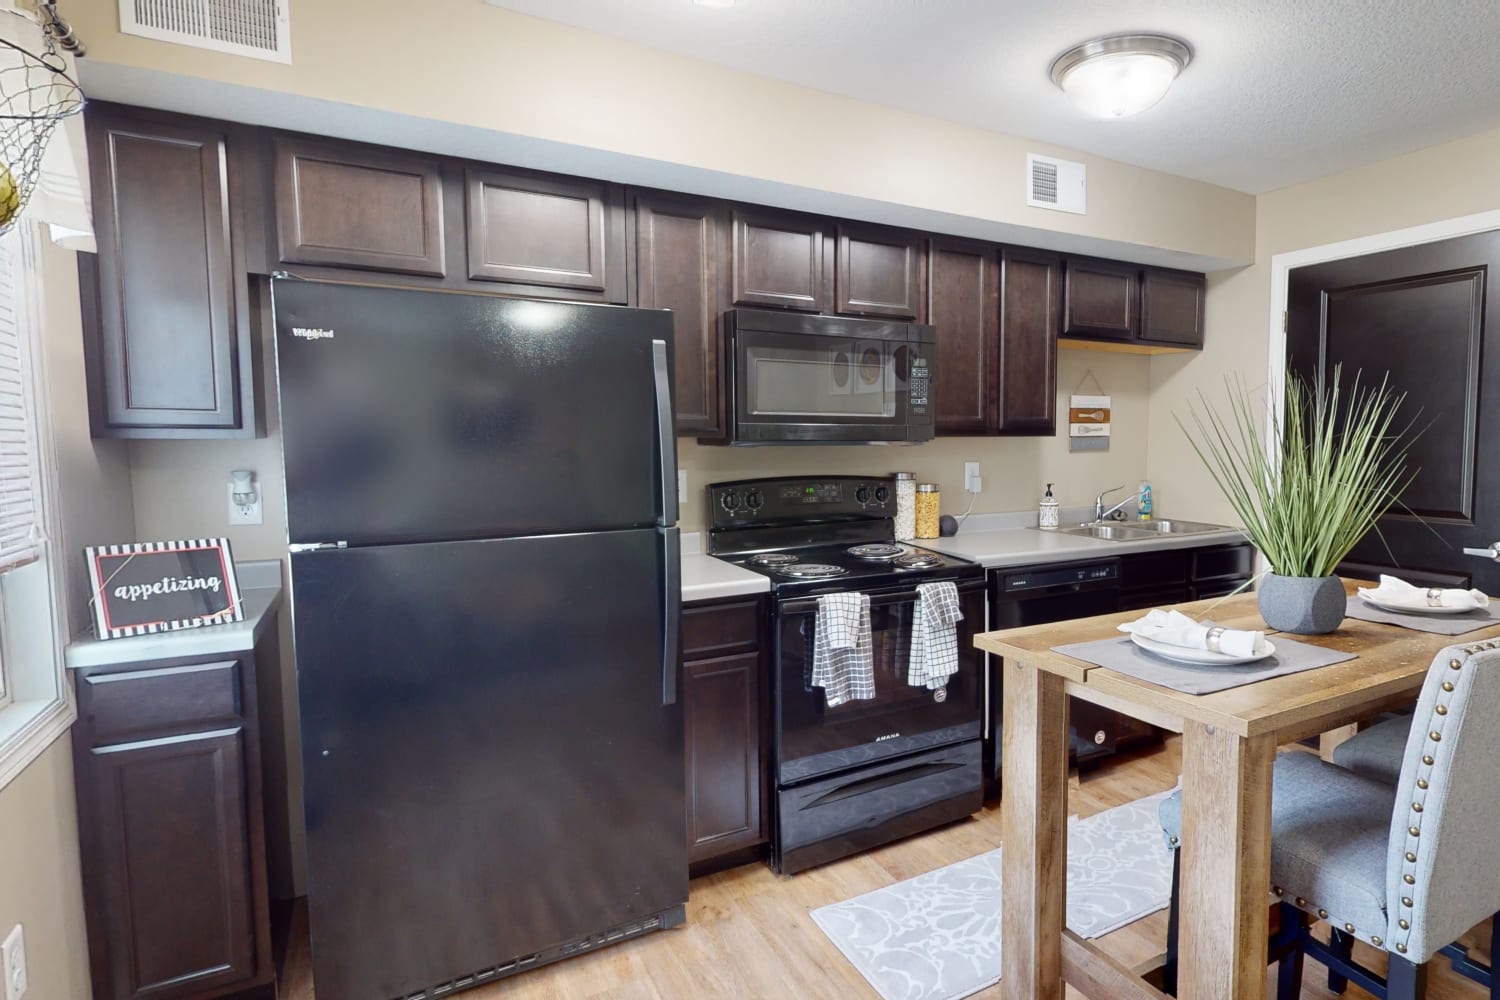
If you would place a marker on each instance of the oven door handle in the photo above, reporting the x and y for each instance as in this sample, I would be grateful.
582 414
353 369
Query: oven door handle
802 605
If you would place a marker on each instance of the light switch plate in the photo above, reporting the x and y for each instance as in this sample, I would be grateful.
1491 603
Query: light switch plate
248 514
13 964
972 482
682 486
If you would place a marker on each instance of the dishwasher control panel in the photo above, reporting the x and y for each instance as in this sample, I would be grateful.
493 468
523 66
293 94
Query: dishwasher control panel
1055 576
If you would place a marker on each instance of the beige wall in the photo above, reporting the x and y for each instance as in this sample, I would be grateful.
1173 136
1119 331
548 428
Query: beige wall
464 62
1015 470
40 888
1444 182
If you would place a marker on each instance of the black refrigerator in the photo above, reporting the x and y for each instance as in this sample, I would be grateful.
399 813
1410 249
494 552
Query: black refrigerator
481 511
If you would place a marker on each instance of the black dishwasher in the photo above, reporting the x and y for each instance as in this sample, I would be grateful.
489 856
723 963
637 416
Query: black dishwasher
1040 595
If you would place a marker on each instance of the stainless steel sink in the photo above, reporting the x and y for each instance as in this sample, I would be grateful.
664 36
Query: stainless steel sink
1173 527
1113 532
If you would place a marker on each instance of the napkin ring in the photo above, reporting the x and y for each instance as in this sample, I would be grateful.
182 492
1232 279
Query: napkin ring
1434 597
1212 639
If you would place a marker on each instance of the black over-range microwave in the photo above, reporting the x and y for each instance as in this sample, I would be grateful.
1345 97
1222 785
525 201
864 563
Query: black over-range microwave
792 378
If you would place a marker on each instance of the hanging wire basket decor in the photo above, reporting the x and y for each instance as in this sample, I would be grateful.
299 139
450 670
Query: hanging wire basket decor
36 93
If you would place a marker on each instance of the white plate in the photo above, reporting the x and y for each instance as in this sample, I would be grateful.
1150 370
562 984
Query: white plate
1198 657
1401 609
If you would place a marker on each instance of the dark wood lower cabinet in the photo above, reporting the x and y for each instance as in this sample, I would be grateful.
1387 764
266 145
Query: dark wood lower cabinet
168 776
725 711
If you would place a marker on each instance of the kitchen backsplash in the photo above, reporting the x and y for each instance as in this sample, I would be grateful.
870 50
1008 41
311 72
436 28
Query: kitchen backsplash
1015 470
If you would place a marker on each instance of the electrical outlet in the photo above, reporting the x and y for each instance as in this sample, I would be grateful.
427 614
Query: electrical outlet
972 482
13 964
249 513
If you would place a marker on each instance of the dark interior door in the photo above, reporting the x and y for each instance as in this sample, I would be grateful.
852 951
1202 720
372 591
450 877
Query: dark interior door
490 768
1424 314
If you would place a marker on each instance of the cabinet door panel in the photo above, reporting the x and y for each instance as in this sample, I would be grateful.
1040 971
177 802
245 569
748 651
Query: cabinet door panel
879 273
170 304
963 306
349 206
1100 299
174 849
1030 300
560 233
1172 307
682 265
724 773
778 261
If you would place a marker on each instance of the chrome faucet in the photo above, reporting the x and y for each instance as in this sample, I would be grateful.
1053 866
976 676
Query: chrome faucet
1100 513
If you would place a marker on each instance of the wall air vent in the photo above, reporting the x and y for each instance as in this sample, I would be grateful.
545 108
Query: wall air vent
1056 184
260 29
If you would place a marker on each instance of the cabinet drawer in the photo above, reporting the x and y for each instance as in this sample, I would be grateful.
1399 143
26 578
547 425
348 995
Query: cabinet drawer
719 628
123 706
1226 561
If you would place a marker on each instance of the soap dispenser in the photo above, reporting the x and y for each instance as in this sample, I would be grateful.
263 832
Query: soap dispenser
1047 516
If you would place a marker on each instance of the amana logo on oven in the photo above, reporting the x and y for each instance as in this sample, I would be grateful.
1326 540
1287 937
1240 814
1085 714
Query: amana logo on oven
311 333
887 736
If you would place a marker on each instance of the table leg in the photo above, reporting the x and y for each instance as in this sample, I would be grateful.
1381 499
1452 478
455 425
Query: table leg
1034 813
1226 863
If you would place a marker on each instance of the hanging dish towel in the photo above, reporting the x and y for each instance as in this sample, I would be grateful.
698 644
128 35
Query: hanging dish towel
934 638
843 662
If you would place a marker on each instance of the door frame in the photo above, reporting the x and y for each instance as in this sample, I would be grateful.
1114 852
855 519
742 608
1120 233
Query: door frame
1396 239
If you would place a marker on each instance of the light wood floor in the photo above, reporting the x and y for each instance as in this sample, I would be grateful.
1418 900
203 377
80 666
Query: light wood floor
748 933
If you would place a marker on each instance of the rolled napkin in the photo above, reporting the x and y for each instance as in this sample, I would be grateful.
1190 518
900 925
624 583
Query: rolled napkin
1397 593
1177 629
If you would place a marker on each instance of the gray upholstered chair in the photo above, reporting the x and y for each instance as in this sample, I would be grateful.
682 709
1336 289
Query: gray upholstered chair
1376 752
1405 868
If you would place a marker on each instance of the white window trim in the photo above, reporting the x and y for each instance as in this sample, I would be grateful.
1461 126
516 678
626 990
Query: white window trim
29 725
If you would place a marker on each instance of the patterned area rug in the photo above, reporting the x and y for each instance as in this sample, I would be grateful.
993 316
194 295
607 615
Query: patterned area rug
937 936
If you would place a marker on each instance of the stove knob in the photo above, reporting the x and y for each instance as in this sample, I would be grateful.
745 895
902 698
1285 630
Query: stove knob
862 494
755 500
729 499
882 494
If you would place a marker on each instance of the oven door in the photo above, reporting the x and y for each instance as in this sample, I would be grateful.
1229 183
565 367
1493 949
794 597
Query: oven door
813 739
816 378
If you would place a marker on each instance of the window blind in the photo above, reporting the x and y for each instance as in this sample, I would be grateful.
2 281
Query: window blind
20 500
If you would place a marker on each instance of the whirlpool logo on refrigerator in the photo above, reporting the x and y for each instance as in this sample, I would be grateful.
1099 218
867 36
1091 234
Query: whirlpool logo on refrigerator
311 333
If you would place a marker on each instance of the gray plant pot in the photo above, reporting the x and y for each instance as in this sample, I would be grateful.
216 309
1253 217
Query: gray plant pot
1306 605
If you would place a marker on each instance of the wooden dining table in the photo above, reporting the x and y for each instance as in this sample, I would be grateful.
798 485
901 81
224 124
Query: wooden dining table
1229 743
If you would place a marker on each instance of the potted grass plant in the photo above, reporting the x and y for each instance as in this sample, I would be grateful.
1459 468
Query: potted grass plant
1329 466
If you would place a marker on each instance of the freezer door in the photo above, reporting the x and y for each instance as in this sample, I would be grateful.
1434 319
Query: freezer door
411 415
491 765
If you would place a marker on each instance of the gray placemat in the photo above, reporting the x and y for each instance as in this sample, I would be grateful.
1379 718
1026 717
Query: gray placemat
1469 621
1121 654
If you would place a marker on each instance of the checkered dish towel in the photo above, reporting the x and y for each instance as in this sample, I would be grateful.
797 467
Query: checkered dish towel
934 639
843 661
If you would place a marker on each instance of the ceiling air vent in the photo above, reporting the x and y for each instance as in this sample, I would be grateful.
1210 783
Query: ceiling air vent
260 29
1055 184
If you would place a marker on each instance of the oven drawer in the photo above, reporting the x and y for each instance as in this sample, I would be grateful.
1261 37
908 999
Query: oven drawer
854 811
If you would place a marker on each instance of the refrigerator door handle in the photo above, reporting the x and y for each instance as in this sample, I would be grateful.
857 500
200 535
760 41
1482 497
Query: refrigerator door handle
671 612
666 433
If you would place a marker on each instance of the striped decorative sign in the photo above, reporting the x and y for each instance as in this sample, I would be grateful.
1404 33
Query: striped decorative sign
151 587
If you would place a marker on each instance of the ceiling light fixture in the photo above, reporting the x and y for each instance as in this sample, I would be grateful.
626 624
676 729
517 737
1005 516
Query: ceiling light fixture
1120 75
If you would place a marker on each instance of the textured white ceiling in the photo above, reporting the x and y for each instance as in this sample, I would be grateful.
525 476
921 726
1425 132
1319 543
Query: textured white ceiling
1280 91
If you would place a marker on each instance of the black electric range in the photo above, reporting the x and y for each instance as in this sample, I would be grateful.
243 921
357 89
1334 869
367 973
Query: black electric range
868 771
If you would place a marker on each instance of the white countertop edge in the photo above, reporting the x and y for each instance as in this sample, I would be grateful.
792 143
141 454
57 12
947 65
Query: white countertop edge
1026 546
261 591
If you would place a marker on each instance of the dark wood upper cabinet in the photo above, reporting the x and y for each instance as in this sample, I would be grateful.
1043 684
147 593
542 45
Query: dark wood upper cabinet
345 205
1172 307
166 302
879 272
963 306
779 260
1100 299
682 264
549 236
1031 296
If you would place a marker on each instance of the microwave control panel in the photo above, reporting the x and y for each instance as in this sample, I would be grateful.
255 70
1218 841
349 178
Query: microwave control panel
920 385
